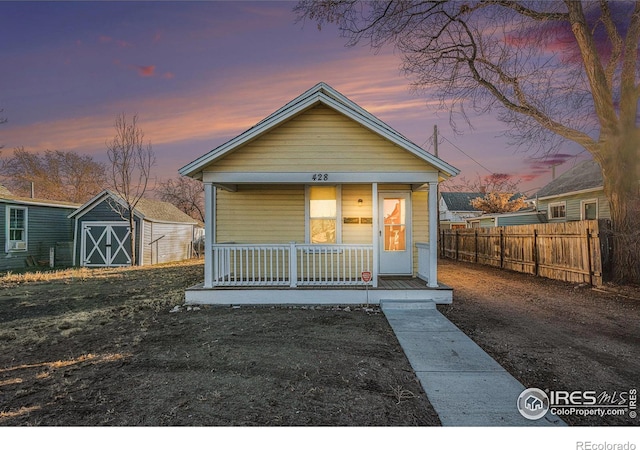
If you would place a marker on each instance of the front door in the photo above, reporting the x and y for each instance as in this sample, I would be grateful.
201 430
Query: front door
395 233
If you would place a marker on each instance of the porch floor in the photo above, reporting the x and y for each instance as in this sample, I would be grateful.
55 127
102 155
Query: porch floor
388 289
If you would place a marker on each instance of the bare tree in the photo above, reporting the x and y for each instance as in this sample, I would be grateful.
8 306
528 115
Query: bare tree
2 120
497 193
185 193
56 175
131 162
554 71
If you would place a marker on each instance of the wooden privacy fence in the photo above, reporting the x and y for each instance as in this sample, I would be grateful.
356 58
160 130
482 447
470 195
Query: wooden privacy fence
575 251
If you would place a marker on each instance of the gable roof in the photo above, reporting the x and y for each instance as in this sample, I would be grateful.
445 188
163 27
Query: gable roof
460 201
321 93
7 197
583 176
147 209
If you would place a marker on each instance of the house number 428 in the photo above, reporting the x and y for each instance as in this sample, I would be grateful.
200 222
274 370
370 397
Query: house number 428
320 177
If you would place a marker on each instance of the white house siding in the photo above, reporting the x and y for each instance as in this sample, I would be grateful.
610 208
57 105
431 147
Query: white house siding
146 248
172 242
320 140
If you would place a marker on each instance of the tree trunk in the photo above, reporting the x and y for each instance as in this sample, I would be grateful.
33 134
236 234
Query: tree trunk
132 238
621 175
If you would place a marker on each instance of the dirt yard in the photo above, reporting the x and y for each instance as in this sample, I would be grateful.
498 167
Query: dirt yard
549 334
102 348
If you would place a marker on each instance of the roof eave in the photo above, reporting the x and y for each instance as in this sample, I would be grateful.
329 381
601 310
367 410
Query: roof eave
321 93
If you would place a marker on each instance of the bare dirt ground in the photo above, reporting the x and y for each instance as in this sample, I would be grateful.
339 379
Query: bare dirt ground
549 334
102 348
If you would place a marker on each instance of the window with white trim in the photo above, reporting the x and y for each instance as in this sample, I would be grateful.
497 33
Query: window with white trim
589 209
557 210
323 213
16 229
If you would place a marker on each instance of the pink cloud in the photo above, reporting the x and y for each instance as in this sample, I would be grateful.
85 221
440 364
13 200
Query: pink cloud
105 39
146 71
168 75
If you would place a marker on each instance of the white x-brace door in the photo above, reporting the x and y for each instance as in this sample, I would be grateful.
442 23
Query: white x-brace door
105 244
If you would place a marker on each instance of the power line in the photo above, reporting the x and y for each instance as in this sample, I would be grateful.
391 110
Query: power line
464 153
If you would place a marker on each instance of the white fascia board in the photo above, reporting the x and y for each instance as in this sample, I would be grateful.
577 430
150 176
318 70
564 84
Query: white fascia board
307 101
385 131
97 199
10 201
256 131
232 178
567 194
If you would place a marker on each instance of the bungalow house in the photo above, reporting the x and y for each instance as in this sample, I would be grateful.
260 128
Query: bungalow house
34 232
101 233
577 194
313 200
455 209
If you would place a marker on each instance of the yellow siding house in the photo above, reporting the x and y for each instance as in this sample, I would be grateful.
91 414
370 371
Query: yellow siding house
305 205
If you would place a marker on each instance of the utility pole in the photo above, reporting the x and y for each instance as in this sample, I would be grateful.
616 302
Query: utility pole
435 140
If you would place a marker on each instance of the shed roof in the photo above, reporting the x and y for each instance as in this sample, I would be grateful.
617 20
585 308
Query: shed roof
147 209
586 175
460 201
7 197
321 93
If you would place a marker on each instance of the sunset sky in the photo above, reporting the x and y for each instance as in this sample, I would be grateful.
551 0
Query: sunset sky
199 73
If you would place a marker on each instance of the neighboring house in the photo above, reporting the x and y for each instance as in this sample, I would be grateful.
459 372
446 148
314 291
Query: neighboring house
34 232
102 237
312 196
455 209
577 194
522 217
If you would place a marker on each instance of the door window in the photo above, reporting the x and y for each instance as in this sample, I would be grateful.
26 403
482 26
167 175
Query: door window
395 230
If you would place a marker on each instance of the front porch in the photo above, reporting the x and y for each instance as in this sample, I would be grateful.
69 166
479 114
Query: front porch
309 274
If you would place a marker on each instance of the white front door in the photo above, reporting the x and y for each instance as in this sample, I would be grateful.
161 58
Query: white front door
395 233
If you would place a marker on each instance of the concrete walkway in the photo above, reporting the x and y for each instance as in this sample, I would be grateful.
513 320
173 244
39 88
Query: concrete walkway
464 384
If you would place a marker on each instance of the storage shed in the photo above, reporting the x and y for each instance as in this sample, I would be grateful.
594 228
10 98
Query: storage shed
102 235
34 232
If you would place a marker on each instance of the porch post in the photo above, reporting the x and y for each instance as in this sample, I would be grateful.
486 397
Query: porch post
433 234
375 238
209 232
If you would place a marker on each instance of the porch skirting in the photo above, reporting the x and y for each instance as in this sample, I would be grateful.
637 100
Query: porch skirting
388 289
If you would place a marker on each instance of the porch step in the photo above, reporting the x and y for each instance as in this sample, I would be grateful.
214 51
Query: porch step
388 304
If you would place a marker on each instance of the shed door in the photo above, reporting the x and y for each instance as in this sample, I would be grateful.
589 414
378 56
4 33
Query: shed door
395 233
105 244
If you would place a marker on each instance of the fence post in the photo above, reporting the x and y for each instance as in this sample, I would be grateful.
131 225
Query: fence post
535 251
457 234
476 245
501 250
589 257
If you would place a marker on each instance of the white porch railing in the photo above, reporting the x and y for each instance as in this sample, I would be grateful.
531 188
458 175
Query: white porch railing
423 260
290 264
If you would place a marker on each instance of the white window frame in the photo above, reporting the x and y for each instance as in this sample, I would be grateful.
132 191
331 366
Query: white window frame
552 205
307 212
585 202
9 243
